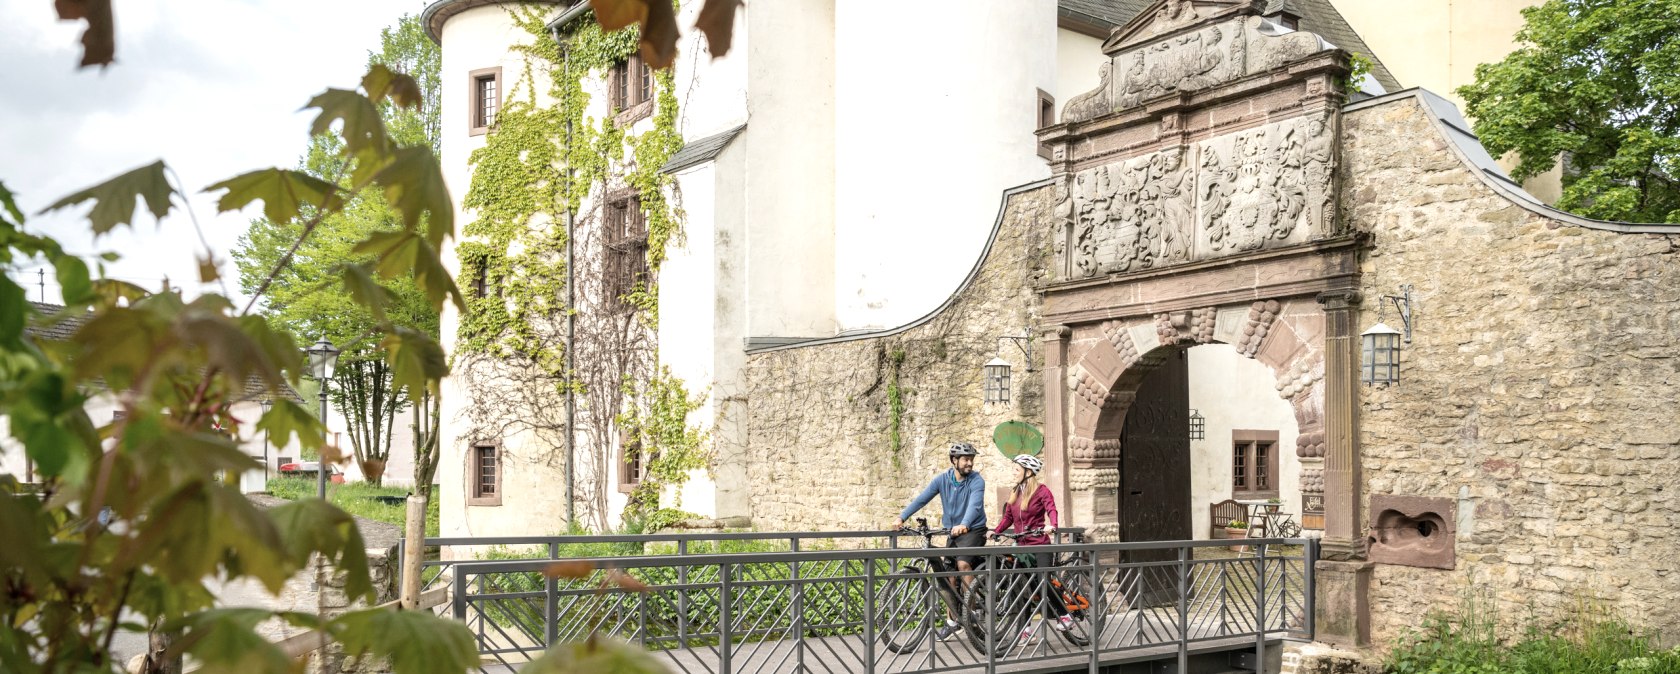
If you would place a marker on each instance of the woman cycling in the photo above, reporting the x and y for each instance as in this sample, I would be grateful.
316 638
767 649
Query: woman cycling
1032 506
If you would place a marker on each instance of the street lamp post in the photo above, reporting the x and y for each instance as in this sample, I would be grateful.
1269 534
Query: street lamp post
323 357
267 404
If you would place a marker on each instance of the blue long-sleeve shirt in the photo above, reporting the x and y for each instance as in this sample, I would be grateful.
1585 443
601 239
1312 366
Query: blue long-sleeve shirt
964 501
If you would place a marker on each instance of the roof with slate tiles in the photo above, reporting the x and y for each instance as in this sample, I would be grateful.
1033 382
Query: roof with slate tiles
67 325
701 150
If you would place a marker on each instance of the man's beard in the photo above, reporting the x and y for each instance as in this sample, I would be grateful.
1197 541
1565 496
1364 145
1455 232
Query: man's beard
964 471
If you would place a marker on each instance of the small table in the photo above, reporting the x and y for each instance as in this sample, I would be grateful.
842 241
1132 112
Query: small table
1266 518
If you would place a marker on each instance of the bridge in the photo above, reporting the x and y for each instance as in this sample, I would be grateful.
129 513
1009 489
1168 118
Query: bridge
833 602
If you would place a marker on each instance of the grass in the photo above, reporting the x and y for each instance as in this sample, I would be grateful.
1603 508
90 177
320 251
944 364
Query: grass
1589 640
357 498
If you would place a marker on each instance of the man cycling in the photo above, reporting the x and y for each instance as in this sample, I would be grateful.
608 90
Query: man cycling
962 496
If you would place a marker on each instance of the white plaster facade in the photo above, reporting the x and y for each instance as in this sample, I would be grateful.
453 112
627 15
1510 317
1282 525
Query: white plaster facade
1231 393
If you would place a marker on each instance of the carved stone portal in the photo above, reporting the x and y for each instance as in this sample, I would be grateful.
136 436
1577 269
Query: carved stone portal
1263 188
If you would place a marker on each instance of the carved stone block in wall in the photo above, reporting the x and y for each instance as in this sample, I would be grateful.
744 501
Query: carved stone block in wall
1257 189
1413 531
1085 479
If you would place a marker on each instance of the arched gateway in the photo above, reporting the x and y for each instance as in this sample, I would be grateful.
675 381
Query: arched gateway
1197 193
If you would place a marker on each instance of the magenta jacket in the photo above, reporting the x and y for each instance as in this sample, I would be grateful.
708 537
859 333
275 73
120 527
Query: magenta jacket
1041 507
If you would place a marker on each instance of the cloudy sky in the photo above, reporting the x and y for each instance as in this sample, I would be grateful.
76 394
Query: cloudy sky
212 88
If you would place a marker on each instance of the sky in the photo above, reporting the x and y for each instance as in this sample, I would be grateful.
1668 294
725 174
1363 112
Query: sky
212 88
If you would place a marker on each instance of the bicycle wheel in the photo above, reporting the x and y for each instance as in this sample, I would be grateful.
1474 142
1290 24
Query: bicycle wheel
902 616
1011 612
1073 590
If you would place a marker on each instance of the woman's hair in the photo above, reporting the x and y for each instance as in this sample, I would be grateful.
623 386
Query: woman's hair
1025 489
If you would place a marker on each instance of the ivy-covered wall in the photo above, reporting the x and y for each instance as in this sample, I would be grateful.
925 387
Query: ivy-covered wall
843 434
555 148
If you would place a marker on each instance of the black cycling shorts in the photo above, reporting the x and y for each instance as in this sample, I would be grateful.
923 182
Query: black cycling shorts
973 538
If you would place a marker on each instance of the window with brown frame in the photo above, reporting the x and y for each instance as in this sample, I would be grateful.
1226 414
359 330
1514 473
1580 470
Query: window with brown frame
629 86
1254 464
1046 117
484 474
624 254
484 96
630 462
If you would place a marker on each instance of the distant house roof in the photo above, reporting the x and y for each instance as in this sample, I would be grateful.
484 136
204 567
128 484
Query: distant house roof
1317 16
701 150
68 324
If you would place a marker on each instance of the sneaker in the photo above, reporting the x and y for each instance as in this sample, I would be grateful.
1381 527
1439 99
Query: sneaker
1026 636
1064 623
945 633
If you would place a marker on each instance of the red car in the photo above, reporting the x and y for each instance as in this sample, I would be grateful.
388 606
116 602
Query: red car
308 468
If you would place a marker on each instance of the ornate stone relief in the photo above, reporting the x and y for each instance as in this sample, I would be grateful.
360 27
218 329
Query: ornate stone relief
1087 387
1265 187
1186 327
1312 480
1300 377
1259 324
1080 449
1147 67
1086 479
1108 532
1310 444
1122 341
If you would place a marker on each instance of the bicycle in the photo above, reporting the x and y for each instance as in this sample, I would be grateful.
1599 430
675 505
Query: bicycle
1019 599
902 618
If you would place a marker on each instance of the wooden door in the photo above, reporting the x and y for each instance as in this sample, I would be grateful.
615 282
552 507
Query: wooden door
1155 460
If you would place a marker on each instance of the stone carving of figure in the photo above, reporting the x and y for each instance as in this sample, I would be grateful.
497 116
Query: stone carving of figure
1166 177
1133 83
1236 54
1086 215
1316 173
1215 183
1283 168
1173 14
1093 103
1063 228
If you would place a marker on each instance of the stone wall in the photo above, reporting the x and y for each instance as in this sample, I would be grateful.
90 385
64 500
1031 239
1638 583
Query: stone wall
1538 394
819 451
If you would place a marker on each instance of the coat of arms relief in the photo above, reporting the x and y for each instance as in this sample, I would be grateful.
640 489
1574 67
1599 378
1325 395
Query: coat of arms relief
1255 188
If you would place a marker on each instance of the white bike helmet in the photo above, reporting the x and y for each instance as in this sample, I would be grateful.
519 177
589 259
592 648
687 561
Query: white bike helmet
1030 462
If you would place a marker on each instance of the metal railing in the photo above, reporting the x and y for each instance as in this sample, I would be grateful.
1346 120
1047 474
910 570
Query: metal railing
876 610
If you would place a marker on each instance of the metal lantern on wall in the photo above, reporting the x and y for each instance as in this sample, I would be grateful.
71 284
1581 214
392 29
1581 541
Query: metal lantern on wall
997 380
1379 361
1198 425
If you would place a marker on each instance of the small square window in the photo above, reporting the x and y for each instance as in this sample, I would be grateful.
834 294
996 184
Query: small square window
484 475
485 98
1046 117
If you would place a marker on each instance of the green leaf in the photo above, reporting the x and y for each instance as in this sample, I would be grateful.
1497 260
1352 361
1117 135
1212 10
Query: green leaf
415 642
414 186
110 293
11 208
595 654
114 198
73 280
313 525
382 82
226 640
417 361
282 192
364 130
405 251
365 290
287 419
12 319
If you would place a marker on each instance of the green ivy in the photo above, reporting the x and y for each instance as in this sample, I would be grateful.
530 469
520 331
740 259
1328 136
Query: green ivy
521 190
540 162
1359 65
671 448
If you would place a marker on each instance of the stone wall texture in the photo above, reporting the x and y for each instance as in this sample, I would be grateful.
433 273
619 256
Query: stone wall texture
1539 391
820 454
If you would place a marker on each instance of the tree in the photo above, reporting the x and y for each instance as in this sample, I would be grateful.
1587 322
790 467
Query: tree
363 389
1597 83
129 519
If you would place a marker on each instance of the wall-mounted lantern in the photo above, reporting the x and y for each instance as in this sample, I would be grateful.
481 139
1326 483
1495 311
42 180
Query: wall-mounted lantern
1198 425
1379 361
997 381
